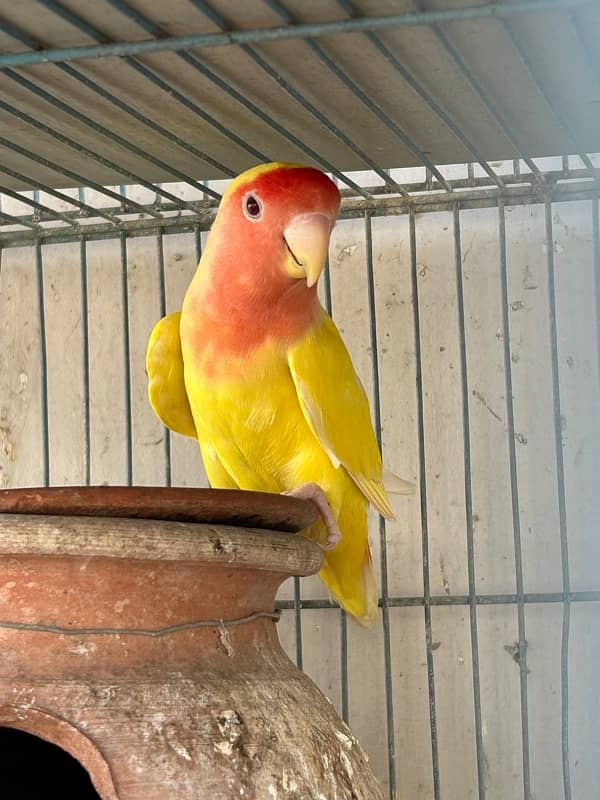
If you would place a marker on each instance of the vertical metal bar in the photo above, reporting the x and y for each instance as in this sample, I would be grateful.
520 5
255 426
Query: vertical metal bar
514 493
562 508
85 358
344 665
435 762
127 364
198 243
343 616
469 505
298 623
471 173
39 268
327 288
428 179
162 296
345 702
387 651
596 248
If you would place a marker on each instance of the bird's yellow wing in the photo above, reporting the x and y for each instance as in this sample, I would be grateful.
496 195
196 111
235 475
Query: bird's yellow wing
336 408
166 386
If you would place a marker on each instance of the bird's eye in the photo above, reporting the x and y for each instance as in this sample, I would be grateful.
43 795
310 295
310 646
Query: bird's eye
252 207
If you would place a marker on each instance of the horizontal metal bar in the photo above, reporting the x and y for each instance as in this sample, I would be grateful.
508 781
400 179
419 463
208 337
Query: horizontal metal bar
529 598
477 198
16 220
78 180
352 208
302 31
11 145
39 207
200 209
85 210
154 633
204 207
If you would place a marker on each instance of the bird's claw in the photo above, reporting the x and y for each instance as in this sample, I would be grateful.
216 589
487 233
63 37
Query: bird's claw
311 491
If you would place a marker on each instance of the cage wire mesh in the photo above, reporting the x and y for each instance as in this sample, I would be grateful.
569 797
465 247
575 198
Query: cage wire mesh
469 298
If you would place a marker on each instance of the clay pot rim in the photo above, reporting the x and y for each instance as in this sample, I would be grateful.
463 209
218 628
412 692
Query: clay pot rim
183 504
158 540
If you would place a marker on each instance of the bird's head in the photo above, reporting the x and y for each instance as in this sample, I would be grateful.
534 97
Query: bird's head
274 224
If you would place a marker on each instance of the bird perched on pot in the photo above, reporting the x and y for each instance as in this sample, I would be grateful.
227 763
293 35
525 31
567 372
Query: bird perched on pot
256 370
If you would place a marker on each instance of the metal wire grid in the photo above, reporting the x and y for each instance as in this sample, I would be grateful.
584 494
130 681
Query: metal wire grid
170 214
427 601
473 599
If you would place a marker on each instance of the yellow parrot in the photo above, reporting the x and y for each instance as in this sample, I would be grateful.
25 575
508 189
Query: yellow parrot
256 370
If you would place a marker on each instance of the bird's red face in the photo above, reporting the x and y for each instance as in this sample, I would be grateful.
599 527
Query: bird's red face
273 227
257 277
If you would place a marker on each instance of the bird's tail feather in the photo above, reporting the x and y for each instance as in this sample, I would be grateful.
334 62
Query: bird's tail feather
355 591
348 568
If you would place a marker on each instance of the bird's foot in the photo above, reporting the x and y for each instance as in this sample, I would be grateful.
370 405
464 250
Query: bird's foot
311 491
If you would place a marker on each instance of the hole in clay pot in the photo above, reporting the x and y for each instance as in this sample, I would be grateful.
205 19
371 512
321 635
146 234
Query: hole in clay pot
31 767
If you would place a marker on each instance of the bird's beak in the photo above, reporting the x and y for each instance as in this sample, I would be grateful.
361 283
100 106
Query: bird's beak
307 239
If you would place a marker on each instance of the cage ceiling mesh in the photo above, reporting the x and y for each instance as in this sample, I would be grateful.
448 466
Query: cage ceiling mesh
116 92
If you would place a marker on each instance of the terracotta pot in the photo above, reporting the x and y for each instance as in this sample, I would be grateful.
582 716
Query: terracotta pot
148 649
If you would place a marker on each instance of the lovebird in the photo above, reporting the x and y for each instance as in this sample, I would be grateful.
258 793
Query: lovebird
255 369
